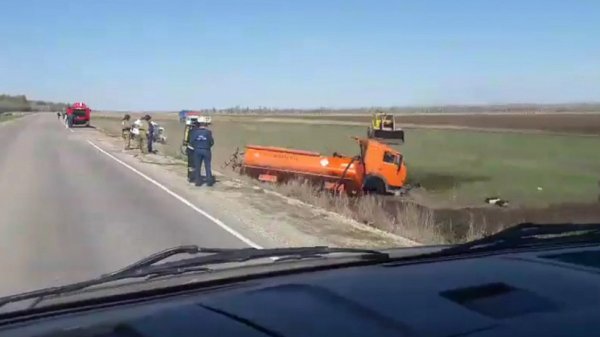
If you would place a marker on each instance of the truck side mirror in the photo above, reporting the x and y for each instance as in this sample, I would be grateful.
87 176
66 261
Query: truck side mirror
398 162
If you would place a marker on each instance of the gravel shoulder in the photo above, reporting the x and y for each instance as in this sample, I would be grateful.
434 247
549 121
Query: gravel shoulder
262 215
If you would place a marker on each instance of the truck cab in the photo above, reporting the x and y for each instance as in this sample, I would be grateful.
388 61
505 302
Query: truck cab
385 171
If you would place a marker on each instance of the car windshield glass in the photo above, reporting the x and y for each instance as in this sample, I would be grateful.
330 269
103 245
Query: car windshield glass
249 124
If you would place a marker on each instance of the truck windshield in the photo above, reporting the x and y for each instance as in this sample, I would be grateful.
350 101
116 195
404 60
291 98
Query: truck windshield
79 112
389 157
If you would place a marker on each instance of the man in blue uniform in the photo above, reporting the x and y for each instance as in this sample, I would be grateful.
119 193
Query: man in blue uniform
201 140
150 129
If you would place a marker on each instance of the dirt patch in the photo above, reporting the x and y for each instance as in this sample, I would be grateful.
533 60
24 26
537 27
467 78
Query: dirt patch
442 182
564 123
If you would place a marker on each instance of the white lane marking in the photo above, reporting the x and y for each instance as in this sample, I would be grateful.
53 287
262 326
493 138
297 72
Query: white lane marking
180 198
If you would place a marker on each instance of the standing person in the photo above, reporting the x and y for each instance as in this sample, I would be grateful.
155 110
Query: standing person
150 126
70 120
58 115
126 131
135 131
202 141
189 150
142 136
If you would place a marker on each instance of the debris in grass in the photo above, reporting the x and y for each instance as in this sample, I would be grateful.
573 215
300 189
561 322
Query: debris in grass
496 201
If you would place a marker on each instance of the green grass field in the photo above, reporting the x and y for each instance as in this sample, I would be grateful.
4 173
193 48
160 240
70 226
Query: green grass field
455 167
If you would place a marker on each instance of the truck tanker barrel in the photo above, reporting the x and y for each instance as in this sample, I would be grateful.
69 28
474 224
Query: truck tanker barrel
276 164
379 168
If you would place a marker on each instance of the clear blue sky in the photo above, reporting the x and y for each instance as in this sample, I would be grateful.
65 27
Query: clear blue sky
172 54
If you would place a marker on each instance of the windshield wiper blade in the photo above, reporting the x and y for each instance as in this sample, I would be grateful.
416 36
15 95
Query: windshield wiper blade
126 272
150 267
167 253
247 254
529 235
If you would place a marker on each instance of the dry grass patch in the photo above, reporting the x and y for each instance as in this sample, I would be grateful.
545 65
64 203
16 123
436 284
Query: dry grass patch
410 220
415 221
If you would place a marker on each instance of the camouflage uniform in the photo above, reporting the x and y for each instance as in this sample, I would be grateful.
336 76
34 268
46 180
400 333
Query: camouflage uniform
143 136
126 133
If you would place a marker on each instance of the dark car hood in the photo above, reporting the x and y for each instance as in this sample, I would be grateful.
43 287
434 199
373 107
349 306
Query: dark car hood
520 294
468 296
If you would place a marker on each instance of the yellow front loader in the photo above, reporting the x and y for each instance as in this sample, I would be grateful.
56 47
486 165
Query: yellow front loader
383 126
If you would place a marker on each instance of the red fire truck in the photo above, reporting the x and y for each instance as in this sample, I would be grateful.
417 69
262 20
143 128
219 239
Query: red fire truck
80 113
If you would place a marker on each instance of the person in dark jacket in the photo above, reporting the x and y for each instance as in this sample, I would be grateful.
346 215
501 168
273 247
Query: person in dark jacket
189 151
202 141
150 129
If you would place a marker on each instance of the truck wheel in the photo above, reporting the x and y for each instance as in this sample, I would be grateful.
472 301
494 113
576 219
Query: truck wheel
380 187
375 185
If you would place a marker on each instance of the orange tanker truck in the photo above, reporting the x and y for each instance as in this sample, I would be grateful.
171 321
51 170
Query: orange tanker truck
379 168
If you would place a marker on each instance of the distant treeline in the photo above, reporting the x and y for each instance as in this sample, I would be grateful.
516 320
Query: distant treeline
501 108
10 103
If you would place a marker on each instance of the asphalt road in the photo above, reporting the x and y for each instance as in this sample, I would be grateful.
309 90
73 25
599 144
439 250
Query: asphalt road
69 213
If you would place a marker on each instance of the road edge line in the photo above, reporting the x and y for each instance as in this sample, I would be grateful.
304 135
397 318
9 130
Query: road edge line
180 198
